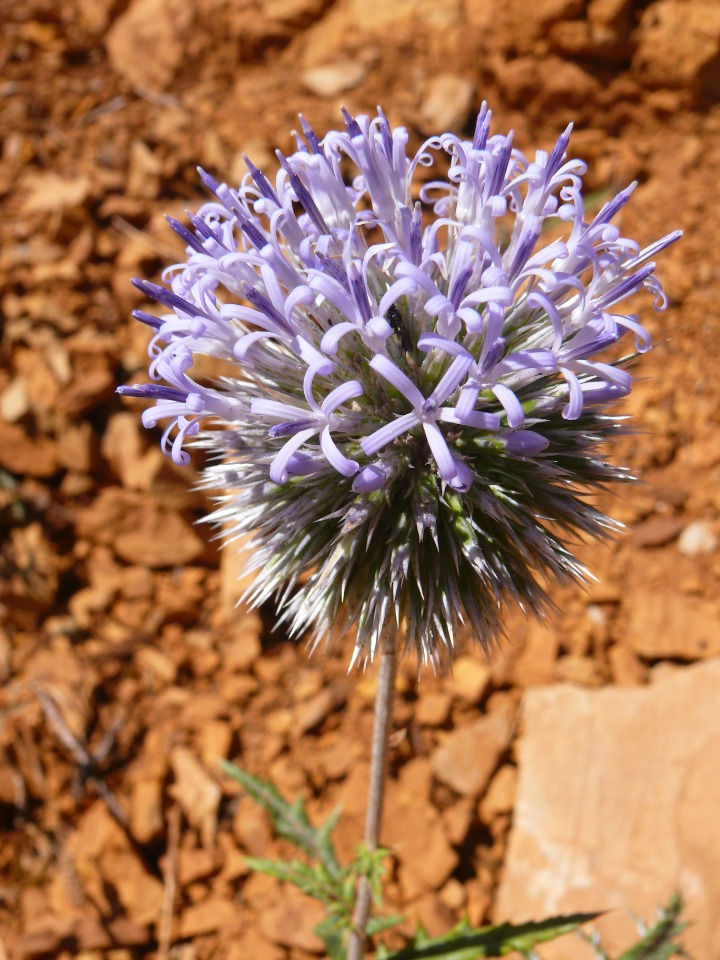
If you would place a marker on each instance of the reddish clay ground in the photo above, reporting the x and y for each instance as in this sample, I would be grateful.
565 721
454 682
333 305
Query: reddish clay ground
126 670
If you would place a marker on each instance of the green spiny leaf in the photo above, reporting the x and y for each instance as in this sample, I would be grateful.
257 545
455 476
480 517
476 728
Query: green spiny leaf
312 881
333 935
371 865
290 820
464 943
377 925
324 839
658 943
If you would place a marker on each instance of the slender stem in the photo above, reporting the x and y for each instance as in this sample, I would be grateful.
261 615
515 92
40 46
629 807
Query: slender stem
376 789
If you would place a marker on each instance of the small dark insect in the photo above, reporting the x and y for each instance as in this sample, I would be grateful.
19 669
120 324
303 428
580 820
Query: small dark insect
399 328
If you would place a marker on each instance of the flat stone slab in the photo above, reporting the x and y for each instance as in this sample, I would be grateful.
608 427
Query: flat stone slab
618 805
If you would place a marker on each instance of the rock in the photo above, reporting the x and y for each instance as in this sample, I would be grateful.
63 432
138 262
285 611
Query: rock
251 828
140 893
235 578
140 530
293 11
144 172
307 684
180 594
665 625
146 816
500 796
312 713
364 25
96 833
536 663
433 708
616 807
23 454
337 760
244 647
146 42
76 452
422 866
678 45
698 540
332 79
47 192
194 864
157 664
197 793
658 531
287 777
626 667
250 943
415 778
215 742
209 916
608 12
101 935
58 935
517 24
551 82
14 401
578 669
457 821
91 387
11 786
446 104
479 902
603 592
470 679
291 922
453 894
467 757
94 14
125 449
433 913
604 33
405 14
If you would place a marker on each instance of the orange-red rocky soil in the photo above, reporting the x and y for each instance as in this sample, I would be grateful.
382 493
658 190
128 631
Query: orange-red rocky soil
125 668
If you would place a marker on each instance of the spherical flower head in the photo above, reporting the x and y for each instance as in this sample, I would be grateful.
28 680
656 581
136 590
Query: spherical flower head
422 387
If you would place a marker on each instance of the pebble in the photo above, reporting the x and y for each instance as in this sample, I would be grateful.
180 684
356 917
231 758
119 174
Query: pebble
447 103
145 43
470 679
209 916
146 816
291 923
665 625
311 713
433 709
657 532
578 669
467 758
626 667
453 894
698 540
332 79
422 866
677 43
500 796
14 401
21 454
196 864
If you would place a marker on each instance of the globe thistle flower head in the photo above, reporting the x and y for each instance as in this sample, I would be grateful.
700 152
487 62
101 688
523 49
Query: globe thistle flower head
420 394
